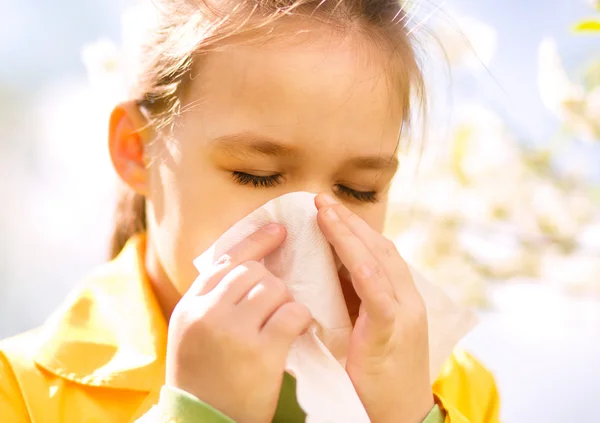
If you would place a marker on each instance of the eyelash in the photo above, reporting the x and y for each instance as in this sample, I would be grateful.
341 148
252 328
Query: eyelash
362 196
243 178
270 181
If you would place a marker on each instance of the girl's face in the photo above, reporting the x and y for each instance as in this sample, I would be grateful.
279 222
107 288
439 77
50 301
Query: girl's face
264 119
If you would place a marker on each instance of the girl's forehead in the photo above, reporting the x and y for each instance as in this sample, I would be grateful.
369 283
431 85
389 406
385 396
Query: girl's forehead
330 88
299 55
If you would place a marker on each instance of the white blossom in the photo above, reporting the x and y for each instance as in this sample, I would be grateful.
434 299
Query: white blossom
104 63
567 100
594 3
592 111
466 41
113 67
549 206
556 89
485 143
589 236
577 273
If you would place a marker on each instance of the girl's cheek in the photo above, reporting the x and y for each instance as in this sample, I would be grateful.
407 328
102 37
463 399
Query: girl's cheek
374 215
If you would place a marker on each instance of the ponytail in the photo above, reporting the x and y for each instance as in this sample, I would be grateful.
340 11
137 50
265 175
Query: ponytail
130 218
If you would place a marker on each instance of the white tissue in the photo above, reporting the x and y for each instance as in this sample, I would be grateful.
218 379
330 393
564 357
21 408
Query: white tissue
305 262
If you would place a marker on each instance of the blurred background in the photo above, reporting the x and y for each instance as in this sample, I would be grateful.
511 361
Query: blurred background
504 212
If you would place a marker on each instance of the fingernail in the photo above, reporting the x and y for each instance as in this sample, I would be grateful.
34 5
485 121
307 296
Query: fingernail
329 200
331 215
273 228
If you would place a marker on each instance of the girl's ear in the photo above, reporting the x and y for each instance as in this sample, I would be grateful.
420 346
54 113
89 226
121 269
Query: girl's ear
128 135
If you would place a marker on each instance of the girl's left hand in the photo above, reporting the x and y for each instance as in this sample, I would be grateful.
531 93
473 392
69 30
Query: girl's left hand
388 356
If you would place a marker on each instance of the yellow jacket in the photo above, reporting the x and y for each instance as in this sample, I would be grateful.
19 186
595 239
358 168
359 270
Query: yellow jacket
101 358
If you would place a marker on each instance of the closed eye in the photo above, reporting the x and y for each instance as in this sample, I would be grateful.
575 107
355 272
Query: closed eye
270 181
362 196
244 178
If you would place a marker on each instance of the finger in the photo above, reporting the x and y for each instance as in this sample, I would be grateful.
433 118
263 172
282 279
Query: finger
322 201
368 277
384 250
286 324
253 248
259 304
236 284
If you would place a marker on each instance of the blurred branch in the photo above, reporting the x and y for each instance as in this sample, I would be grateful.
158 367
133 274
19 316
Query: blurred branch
486 228
540 162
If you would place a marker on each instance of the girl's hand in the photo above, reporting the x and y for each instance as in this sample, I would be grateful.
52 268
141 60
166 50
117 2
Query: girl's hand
388 356
230 334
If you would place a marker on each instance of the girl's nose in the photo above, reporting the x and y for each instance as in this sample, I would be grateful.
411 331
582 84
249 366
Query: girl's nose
313 187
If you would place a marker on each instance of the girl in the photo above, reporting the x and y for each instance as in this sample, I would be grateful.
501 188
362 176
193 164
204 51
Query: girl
239 102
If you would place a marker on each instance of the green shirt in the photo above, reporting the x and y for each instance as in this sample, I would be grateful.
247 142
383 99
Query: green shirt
178 406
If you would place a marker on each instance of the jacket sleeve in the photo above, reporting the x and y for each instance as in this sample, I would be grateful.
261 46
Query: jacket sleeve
436 415
177 406
12 405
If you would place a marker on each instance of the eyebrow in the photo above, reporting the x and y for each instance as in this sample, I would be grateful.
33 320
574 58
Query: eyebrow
246 144
375 163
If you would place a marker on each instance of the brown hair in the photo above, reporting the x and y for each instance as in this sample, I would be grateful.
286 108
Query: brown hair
187 29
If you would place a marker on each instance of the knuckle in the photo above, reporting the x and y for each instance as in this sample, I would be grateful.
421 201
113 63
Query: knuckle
277 288
279 323
370 270
247 269
345 233
352 217
224 260
186 308
378 271
205 317
302 314
253 267
180 315
291 316
257 290
387 249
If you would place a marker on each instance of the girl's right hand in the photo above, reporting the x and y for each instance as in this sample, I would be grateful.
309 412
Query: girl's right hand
230 334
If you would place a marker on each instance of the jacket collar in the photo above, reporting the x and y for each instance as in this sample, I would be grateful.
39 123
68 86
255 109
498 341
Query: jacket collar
111 332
